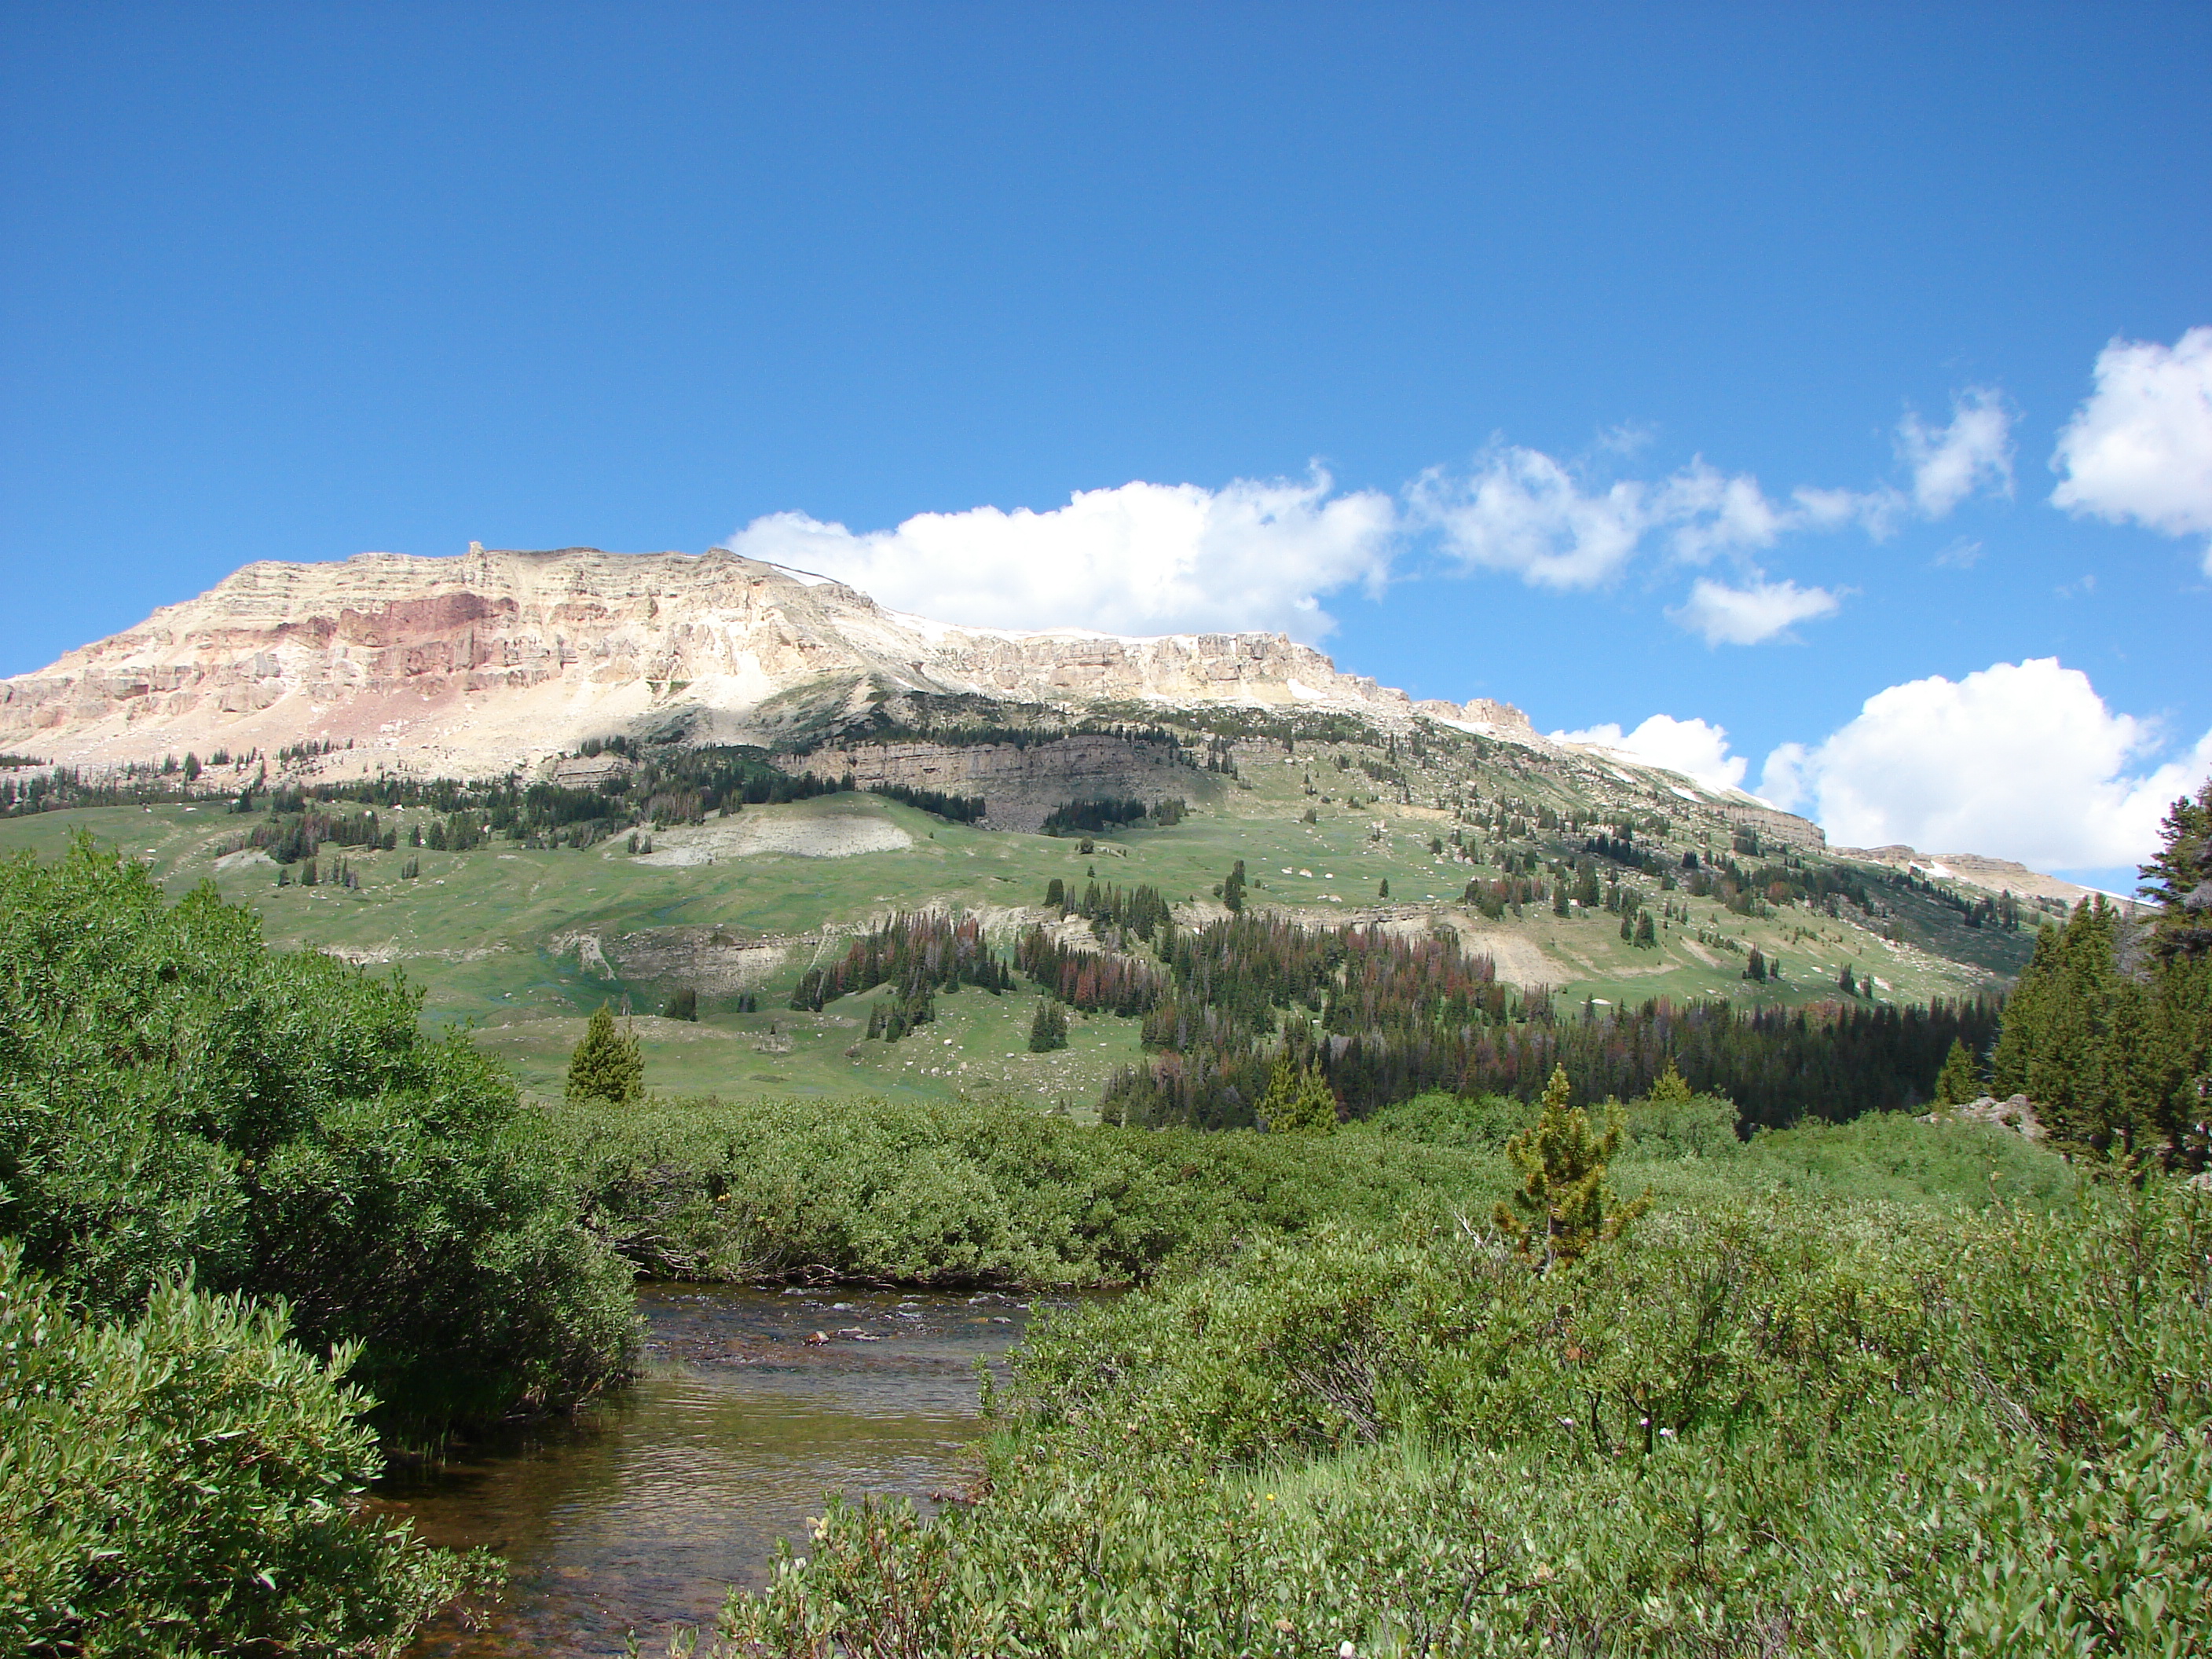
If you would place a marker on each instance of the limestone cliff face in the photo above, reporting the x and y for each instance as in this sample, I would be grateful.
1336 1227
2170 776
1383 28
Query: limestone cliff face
496 659
1023 784
474 665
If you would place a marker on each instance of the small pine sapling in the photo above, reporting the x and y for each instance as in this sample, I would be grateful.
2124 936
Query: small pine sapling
1960 1079
1298 1101
607 1064
1566 1209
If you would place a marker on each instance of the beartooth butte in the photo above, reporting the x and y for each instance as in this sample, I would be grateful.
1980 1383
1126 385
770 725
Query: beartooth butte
498 660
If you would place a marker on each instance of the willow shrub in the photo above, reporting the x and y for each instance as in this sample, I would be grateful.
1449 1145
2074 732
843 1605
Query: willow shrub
964 1193
1767 1425
175 1101
188 1481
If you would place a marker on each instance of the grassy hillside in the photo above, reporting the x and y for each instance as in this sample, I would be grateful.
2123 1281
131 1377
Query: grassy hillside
522 943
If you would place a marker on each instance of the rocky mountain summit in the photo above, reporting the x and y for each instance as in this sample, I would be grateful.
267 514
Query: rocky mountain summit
1989 874
499 659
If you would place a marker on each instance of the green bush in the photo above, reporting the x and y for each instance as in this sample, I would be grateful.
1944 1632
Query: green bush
188 1481
965 1194
175 1101
1769 1425
1698 1125
1483 1122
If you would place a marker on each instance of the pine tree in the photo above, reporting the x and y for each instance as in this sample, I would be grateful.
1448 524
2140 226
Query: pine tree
1298 1101
1669 1088
1566 1207
1232 889
1647 936
2179 879
1049 1027
607 1064
685 1004
2114 1061
1384 891
1960 1081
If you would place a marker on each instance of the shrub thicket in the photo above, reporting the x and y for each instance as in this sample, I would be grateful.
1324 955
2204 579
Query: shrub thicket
369 1222
186 1480
966 1194
175 1100
1752 1426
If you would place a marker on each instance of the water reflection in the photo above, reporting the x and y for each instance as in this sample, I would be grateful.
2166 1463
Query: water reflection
640 1517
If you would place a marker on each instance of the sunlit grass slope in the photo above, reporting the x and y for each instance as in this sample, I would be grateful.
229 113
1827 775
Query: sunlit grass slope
524 943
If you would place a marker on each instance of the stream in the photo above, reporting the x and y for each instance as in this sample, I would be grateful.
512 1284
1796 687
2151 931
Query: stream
640 1516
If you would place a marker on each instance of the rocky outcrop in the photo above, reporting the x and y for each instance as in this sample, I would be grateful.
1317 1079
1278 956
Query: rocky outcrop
498 658
1775 826
1022 784
2017 1114
1992 875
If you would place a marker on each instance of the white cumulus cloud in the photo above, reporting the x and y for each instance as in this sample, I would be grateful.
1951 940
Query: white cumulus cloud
1523 512
1143 558
1950 463
1555 524
1527 514
1692 747
2020 760
1762 609
2139 447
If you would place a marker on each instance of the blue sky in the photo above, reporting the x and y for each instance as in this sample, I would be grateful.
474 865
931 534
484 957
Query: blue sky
1482 338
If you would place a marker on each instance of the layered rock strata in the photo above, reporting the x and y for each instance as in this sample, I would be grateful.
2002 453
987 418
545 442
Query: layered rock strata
498 658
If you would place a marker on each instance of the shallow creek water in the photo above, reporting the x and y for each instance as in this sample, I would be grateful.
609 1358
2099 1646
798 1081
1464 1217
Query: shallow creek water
640 1515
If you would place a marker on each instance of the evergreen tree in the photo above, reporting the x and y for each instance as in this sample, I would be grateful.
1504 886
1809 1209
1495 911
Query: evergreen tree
685 1004
607 1064
1384 891
1647 936
2179 879
1049 1027
1960 1081
1669 1088
1566 1207
1298 1101
1846 983
2115 1061
1232 889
